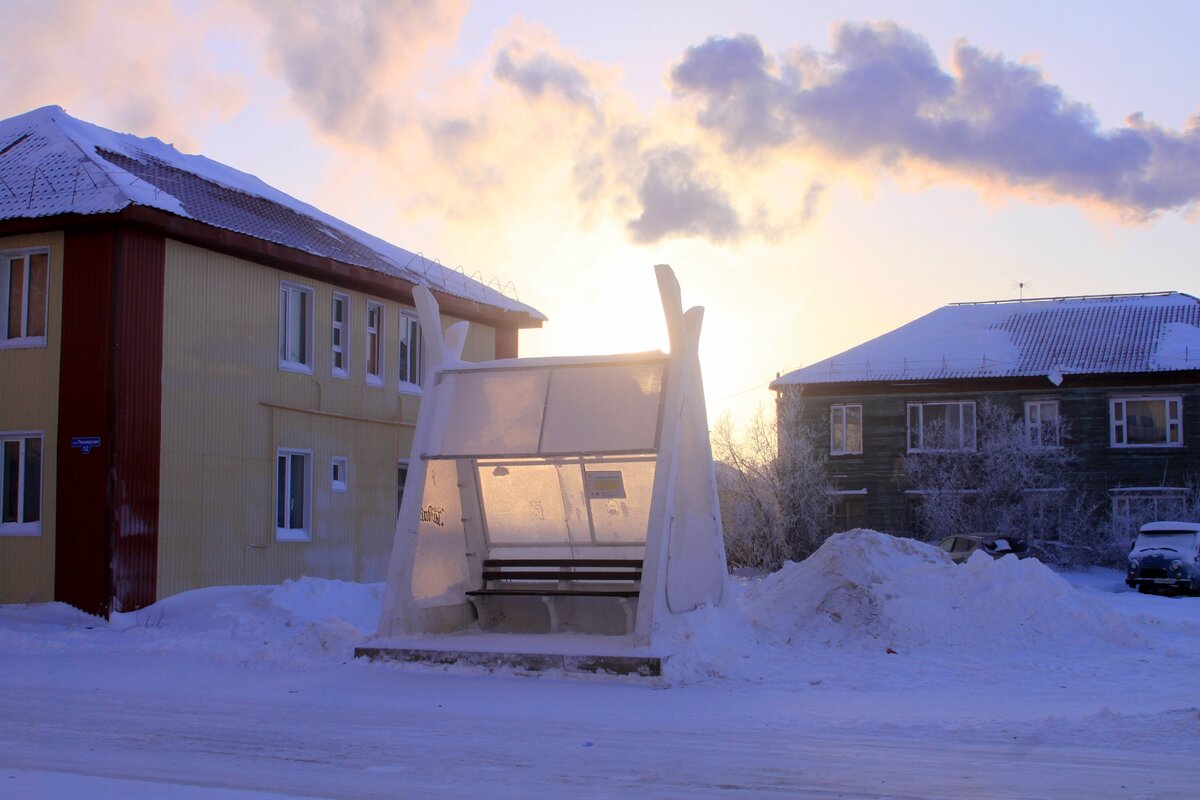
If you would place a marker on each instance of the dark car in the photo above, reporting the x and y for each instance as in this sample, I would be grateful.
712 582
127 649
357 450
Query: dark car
960 546
1165 558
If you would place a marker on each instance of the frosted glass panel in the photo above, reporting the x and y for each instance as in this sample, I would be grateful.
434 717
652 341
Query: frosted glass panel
440 568
492 412
623 520
523 504
610 408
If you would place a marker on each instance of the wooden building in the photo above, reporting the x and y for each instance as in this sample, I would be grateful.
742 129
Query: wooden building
203 381
1115 378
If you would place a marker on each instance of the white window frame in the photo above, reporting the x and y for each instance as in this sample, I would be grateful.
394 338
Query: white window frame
1118 434
23 339
21 526
287 315
288 533
1035 424
339 336
838 422
376 340
410 354
920 407
339 473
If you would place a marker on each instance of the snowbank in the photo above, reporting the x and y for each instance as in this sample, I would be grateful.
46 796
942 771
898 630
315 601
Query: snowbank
868 589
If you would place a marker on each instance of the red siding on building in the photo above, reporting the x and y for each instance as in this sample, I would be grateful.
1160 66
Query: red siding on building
137 376
506 342
110 386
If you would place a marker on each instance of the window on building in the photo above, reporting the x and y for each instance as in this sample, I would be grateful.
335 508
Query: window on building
339 471
24 288
295 327
1146 422
293 507
1041 423
412 352
848 513
20 484
845 430
941 426
401 477
340 336
1135 506
375 329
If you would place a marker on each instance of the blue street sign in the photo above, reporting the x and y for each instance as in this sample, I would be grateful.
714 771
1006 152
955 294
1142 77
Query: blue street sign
85 443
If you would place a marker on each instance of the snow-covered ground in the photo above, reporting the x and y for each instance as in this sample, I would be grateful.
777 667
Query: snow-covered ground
875 669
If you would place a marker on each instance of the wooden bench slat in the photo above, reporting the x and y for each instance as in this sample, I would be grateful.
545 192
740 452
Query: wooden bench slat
625 563
597 592
536 575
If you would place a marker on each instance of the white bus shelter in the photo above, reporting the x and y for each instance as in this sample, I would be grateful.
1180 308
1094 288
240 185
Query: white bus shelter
558 495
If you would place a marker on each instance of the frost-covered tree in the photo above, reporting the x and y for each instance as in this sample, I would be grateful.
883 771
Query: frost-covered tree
1010 485
775 495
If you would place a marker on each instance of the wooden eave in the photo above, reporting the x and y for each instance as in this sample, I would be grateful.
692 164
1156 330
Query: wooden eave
278 256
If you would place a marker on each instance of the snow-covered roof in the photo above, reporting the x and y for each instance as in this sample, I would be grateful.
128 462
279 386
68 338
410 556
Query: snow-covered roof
52 163
1156 332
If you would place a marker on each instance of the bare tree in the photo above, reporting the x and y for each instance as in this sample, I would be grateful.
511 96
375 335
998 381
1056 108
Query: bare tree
1010 484
775 496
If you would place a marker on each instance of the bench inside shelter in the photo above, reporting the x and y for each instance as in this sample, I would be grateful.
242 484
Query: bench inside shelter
551 579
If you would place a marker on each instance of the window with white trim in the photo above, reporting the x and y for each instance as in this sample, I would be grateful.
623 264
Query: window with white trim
24 292
293 504
412 352
295 327
941 426
375 330
1042 423
845 430
1152 421
340 336
20 484
338 473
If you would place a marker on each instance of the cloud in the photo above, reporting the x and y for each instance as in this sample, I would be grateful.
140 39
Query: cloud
345 62
536 73
123 70
679 200
880 96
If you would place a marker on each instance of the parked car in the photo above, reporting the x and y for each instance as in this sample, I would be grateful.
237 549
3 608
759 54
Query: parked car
960 546
1166 558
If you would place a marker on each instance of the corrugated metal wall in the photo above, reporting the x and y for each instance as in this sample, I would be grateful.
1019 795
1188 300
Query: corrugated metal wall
227 408
109 381
29 402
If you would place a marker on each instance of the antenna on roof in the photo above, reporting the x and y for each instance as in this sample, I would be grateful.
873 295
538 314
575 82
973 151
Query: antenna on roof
1021 286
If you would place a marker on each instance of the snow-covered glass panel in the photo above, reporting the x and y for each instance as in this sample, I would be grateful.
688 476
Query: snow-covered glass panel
441 572
620 515
489 413
523 504
603 409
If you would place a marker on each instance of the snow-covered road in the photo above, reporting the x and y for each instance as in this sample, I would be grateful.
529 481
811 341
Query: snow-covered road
246 693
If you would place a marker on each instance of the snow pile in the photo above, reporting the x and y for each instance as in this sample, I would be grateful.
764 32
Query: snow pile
299 624
867 590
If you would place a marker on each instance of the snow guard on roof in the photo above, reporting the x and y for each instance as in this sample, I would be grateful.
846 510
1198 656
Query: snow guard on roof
558 494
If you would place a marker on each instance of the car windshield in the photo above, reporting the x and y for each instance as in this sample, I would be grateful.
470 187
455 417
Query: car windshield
1170 541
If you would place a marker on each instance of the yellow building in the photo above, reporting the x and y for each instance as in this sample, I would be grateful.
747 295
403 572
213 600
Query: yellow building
203 381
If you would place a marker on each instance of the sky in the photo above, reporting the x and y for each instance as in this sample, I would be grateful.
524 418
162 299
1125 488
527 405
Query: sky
817 174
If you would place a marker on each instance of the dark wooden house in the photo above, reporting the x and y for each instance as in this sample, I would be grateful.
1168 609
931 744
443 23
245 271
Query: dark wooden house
1114 378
